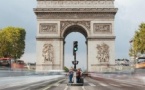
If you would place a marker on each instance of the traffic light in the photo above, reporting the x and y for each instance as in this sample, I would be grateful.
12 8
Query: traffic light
75 48
75 62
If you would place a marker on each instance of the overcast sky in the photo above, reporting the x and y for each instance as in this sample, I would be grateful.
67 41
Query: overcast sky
20 13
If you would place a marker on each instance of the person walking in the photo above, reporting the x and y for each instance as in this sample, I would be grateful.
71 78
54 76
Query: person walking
71 72
78 75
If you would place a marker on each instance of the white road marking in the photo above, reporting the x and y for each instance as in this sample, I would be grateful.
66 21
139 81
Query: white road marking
25 88
126 85
83 88
91 84
115 85
66 88
34 85
57 83
129 83
102 84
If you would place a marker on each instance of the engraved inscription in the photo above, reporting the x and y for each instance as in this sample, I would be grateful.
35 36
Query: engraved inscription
48 28
102 27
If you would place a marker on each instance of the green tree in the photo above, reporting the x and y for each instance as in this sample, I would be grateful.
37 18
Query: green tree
3 44
139 40
12 42
132 52
66 69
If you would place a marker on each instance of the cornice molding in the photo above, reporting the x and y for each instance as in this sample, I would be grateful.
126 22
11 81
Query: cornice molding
47 37
110 37
102 37
37 10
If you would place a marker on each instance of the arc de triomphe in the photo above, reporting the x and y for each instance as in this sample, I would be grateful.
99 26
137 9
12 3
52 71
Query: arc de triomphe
57 18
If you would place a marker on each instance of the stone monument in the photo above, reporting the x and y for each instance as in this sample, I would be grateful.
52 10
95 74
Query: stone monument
57 18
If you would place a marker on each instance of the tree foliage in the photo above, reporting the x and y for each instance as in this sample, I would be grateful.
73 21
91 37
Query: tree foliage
12 42
139 40
131 52
66 69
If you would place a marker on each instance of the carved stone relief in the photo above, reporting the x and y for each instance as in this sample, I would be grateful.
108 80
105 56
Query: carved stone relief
75 3
75 15
48 28
102 28
48 53
103 53
64 24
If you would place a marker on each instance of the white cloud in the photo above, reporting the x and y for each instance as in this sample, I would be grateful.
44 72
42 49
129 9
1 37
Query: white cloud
20 13
129 16
131 10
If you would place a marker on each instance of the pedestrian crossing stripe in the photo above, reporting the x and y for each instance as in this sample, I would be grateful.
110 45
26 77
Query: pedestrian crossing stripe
102 84
91 84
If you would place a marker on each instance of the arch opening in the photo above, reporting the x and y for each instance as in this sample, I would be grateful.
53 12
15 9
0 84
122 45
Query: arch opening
75 28
75 33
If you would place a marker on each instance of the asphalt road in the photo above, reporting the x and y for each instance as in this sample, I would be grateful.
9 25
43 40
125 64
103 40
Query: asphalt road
42 85
89 84
105 84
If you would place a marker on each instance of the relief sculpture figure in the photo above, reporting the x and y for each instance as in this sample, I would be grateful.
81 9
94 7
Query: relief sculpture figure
103 53
48 53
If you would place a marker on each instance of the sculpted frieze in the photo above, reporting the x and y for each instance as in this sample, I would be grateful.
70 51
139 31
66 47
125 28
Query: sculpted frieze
102 27
74 15
48 28
75 3
64 24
